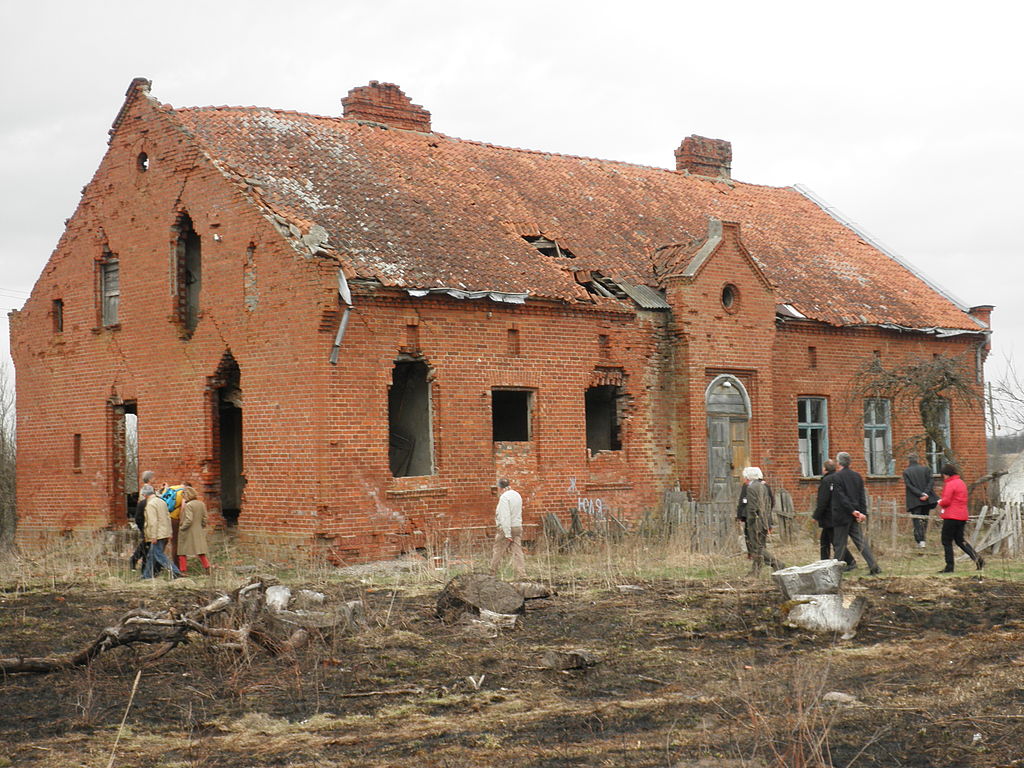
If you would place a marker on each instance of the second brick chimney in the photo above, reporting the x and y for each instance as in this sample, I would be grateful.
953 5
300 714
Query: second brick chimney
705 157
385 103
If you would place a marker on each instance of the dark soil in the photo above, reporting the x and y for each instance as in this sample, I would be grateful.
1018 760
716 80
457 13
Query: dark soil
687 671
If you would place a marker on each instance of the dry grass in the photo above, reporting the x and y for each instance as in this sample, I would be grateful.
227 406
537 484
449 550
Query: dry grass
695 669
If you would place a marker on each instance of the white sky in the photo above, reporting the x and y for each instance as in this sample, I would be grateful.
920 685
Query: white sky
906 116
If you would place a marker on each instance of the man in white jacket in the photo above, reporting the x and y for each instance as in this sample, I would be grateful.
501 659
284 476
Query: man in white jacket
508 539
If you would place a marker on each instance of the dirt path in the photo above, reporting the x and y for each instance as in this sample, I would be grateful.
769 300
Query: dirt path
688 671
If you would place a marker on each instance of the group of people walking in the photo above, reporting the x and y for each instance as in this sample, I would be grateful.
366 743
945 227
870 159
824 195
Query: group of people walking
841 510
169 538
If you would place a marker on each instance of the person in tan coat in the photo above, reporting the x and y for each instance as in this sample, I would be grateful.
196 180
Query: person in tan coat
192 531
157 531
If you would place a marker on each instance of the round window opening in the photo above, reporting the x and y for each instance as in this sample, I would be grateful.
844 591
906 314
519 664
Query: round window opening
730 296
143 161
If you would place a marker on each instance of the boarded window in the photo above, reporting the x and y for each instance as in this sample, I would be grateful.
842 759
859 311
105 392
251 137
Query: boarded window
76 452
57 312
410 432
602 405
510 415
110 289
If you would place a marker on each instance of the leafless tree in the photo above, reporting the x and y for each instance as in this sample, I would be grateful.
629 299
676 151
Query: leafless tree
8 446
929 387
1008 400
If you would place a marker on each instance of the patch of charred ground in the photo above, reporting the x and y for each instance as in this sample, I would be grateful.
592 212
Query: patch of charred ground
687 670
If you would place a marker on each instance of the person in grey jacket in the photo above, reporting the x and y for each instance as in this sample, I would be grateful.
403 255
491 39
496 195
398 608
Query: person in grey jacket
921 499
756 503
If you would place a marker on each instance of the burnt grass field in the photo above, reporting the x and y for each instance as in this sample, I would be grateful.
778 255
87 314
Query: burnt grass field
689 673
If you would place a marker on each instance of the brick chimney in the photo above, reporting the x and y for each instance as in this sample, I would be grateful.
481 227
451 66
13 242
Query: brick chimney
705 157
983 312
385 103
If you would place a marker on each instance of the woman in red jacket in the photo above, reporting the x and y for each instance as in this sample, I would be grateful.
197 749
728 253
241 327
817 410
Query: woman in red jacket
954 518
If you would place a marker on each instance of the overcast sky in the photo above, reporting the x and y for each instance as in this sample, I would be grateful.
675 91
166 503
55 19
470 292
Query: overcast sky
908 117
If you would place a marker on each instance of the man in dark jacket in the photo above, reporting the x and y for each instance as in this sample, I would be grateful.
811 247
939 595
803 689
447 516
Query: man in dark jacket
921 498
848 505
823 515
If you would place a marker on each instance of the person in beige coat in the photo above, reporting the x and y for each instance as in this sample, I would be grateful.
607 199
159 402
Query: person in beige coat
192 531
157 531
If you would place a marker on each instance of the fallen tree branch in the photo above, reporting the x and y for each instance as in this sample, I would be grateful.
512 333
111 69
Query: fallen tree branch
168 629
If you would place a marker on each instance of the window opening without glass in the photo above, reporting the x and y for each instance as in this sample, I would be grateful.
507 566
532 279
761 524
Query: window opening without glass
410 436
510 415
603 418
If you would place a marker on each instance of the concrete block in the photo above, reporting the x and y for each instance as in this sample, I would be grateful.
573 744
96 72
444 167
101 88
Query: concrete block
826 613
819 578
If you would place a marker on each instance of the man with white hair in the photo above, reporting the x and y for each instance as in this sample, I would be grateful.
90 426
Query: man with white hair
755 509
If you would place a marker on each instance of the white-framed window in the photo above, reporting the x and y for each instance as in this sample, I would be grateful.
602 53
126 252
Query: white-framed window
110 289
878 436
812 434
935 455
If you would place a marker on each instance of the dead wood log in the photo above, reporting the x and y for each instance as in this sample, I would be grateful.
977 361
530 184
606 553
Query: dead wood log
471 592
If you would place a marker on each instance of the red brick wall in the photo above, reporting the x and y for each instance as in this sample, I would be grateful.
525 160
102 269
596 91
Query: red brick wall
316 435
840 354
713 340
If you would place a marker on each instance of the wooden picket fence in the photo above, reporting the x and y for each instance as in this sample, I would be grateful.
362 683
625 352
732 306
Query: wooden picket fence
710 527
995 530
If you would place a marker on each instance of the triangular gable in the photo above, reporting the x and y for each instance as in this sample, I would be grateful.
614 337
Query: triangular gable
686 262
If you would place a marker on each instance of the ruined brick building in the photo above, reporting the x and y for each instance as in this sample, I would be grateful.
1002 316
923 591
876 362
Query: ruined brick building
344 329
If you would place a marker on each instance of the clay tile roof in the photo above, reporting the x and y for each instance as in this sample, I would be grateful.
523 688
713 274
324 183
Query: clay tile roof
423 210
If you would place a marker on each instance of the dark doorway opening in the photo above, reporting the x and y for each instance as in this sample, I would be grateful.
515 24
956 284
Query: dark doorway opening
510 415
125 455
229 438
410 432
602 404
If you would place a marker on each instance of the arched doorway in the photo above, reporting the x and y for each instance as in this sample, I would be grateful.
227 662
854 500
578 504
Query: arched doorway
728 411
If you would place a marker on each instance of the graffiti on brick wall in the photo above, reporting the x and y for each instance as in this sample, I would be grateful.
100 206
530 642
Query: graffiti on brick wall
594 507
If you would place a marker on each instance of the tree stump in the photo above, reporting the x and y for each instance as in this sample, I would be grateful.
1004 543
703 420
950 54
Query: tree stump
470 592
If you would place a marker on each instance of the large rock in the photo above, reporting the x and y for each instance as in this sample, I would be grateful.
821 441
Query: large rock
471 592
820 578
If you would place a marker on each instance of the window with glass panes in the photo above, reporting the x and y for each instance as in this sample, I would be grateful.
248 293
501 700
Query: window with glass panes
878 436
935 453
812 434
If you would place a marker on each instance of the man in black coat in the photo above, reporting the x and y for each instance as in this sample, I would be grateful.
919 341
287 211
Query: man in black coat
921 498
847 512
823 515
